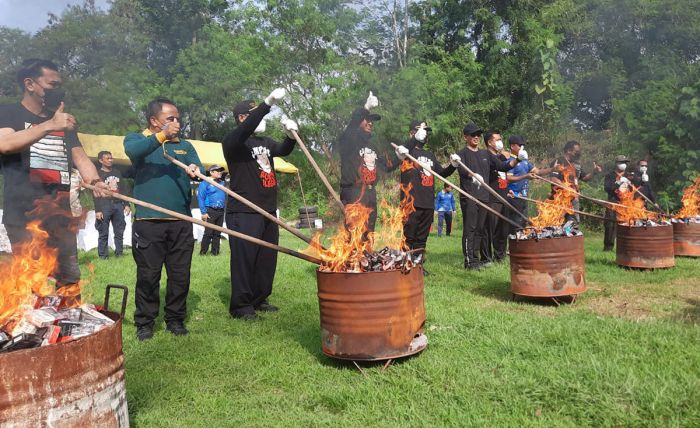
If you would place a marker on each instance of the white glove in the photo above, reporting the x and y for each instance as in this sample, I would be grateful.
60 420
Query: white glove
455 160
275 96
622 180
371 102
420 135
477 179
645 178
522 155
289 126
401 152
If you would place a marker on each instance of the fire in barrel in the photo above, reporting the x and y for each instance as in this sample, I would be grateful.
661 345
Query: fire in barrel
686 224
546 259
643 240
371 302
61 359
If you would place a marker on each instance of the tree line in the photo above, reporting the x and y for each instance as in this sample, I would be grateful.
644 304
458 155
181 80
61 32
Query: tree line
621 76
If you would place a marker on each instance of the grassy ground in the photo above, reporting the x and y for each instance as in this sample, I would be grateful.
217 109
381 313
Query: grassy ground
627 353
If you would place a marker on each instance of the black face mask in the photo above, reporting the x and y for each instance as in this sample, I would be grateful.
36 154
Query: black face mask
576 156
53 98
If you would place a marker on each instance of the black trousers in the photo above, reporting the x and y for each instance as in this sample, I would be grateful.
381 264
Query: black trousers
473 225
610 230
417 228
62 231
114 213
521 206
445 216
157 243
216 216
252 266
493 247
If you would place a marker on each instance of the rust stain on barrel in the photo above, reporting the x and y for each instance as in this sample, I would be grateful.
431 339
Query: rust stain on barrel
686 239
645 247
74 384
370 315
547 267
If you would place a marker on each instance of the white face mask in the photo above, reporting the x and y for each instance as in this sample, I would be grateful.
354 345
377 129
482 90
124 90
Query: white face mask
621 166
499 145
643 169
262 126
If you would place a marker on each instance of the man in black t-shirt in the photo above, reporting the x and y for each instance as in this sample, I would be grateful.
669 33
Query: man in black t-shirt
421 183
39 146
249 157
360 161
572 160
110 210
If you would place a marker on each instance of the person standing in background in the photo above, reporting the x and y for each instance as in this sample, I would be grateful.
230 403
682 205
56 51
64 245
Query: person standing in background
212 201
445 207
110 210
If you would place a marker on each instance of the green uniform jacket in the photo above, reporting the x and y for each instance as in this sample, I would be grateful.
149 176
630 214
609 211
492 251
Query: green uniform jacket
157 180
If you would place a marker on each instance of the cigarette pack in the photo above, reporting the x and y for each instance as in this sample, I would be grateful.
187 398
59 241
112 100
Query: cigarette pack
22 341
51 336
23 326
44 317
91 314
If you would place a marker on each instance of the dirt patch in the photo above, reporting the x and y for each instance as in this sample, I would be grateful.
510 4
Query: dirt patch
680 300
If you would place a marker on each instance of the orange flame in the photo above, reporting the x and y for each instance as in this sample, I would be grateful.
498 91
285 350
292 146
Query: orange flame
393 218
349 244
691 201
553 210
26 274
631 208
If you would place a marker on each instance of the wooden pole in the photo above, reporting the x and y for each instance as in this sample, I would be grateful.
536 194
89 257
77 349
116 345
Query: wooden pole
495 193
322 176
465 194
203 223
296 232
569 209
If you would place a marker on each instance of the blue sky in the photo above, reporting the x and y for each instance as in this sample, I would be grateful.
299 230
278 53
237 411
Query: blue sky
32 15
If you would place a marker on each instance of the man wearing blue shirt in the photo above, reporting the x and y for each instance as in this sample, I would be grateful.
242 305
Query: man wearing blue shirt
519 177
211 204
445 206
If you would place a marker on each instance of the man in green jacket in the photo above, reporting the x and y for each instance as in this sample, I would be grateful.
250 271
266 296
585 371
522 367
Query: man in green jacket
158 239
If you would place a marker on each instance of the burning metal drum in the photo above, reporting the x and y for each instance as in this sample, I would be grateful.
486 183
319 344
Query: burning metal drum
547 267
74 384
370 316
645 247
686 239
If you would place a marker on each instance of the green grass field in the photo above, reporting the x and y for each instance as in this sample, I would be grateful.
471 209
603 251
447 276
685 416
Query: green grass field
627 353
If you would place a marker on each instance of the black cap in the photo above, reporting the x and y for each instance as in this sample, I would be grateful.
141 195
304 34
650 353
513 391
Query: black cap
416 123
363 114
516 139
244 107
472 129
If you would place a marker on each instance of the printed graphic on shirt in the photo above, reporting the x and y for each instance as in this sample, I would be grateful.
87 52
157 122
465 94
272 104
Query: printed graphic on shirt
502 181
113 183
48 159
267 176
426 176
368 172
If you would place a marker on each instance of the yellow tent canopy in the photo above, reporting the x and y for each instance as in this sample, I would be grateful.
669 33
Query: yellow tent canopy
210 153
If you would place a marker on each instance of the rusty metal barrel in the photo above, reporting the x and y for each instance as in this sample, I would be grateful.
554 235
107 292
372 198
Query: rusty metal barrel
551 267
371 316
74 384
686 239
643 247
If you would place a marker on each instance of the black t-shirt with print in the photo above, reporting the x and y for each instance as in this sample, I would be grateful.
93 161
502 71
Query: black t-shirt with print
41 170
114 180
422 182
251 165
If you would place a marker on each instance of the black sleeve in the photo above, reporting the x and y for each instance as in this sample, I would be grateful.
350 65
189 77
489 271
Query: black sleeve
395 162
234 139
437 167
281 149
609 183
499 165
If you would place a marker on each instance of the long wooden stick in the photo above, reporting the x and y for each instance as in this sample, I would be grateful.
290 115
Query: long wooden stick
209 225
606 204
646 198
296 232
568 209
465 194
494 193
321 175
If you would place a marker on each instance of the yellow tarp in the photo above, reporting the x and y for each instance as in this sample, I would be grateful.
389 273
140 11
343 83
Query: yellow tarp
209 153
